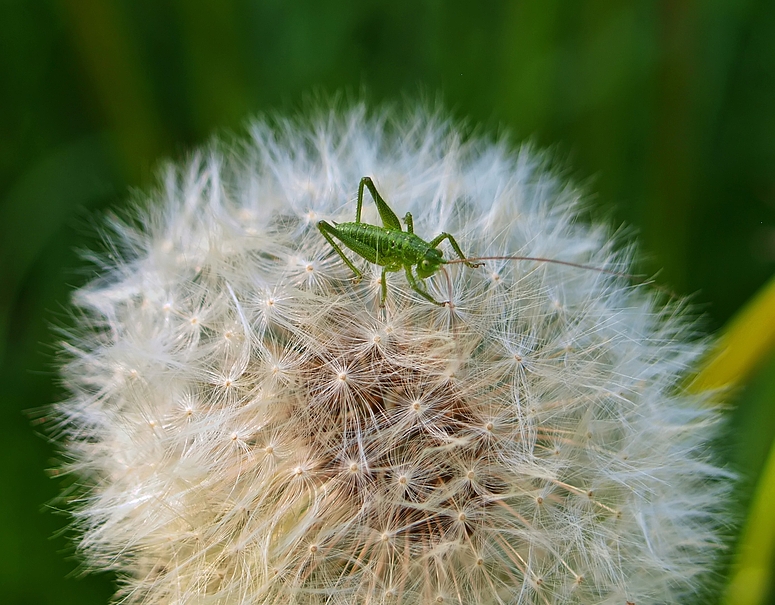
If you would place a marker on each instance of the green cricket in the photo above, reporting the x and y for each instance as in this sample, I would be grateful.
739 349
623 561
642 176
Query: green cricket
394 249
390 246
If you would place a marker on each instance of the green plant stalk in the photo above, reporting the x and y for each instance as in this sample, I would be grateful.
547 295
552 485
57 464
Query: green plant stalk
746 343
751 576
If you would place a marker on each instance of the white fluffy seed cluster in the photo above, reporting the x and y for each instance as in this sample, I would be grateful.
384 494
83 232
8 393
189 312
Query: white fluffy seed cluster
248 426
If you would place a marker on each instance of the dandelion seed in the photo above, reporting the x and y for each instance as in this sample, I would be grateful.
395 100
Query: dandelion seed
250 426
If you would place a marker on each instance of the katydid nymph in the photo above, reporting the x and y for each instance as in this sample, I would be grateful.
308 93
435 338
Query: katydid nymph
390 246
394 249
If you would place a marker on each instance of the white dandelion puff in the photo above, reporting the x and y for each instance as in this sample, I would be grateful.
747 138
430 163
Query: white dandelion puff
250 425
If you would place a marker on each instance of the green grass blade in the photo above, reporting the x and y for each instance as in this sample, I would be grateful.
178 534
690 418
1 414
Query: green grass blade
752 573
745 344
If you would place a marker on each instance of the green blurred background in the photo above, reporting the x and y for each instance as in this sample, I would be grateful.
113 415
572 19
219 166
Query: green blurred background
666 109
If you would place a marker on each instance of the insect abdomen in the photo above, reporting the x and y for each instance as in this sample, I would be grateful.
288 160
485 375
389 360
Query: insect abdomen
392 247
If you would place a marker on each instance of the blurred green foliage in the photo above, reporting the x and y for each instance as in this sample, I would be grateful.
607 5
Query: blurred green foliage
666 108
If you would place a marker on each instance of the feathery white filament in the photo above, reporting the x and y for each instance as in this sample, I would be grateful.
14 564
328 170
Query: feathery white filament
250 427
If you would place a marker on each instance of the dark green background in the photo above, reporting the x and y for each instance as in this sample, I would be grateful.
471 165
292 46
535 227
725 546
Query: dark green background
666 109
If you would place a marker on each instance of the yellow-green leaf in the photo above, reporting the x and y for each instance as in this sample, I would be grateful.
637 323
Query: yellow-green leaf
744 345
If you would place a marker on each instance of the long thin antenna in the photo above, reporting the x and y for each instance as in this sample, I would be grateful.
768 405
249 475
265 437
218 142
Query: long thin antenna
539 259
544 260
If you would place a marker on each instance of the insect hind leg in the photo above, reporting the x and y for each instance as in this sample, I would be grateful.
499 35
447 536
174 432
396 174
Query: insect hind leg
389 218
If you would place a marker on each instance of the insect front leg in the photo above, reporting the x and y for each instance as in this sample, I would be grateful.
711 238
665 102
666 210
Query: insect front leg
444 235
328 230
416 287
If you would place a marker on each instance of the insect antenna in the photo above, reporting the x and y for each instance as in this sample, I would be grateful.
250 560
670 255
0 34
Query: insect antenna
540 259
638 279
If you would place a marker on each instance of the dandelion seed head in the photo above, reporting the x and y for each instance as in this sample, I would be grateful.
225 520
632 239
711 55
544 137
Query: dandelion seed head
249 425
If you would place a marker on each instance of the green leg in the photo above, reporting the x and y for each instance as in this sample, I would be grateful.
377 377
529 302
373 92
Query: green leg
409 222
359 203
389 218
328 230
440 238
383 297
416 287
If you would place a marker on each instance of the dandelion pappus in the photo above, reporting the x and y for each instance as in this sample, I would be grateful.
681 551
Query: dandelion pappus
394 249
